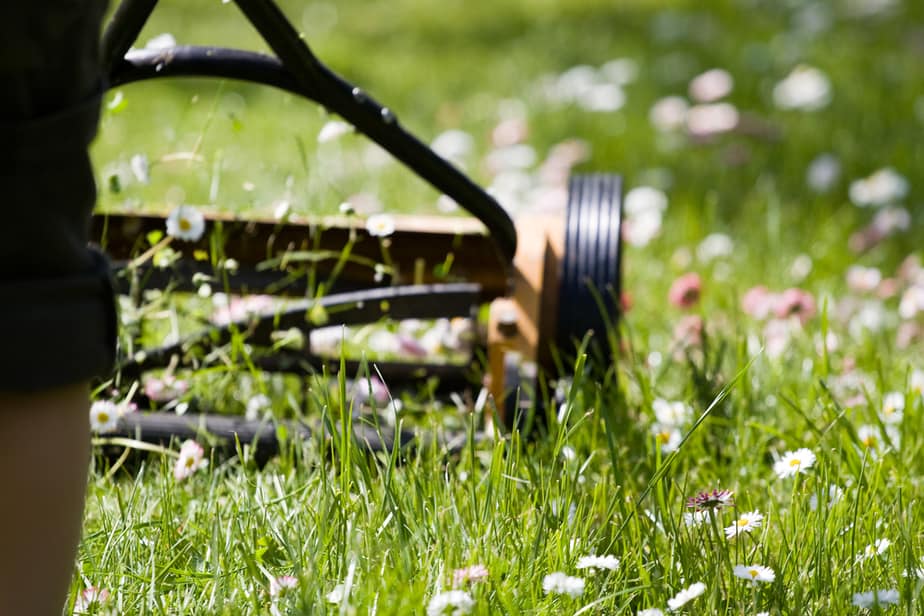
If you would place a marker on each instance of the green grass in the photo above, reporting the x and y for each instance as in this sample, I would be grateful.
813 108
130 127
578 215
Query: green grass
392 531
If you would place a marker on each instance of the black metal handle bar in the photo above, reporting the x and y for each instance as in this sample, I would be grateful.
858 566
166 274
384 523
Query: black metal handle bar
298 70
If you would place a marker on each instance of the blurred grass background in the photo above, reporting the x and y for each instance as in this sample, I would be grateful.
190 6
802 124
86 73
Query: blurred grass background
454 65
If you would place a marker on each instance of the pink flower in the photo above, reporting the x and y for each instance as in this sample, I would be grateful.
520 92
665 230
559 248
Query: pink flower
165 389
240 308
797 303
777 334
372 388
626 301
887 289
689 331
190 460
716 499
759 302
907 334
411 346
90 597
910 270
862 279
865 239
281 584
510 131
469 575
685 291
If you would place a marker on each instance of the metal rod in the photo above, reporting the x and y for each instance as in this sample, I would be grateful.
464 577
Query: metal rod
228 431
396 374
201 61
123 30
416 301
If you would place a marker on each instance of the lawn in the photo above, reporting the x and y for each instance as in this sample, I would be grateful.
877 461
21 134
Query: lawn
751 449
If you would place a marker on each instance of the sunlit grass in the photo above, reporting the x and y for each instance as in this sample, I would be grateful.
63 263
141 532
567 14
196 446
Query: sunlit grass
390 530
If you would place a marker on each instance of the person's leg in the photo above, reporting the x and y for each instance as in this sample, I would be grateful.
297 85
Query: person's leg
57 319
44 451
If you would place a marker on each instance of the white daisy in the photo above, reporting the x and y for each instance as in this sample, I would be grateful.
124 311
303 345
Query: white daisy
823 173
651 611
755 573
872 598
916 382
257 405
883 187
711 119
140 168
598 562
190 460
671 413
745 523
336 595
640 229
563 584
915 572
711 86
104 416
453 145
869 437
332 130
380 225
715 246
806 88
873 440
695 518
669 114
668 437
835 494
893 405
877 548
186 223
282 584
451 602
686 595
794 462
643 199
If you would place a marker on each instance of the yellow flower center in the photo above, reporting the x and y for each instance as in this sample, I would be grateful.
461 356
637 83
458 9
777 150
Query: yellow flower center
190 462
753 572
185 225
103 417
795 462
662 437
870 441
743 521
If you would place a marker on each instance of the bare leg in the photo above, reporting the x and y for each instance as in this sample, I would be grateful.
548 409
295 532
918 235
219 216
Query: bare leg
44 453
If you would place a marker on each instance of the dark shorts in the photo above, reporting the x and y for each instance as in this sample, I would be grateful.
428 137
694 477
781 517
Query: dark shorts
57 313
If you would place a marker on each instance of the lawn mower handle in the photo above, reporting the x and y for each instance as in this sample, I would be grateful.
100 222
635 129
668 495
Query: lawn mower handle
297 70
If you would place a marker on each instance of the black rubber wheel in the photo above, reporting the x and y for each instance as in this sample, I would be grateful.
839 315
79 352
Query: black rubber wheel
591 269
